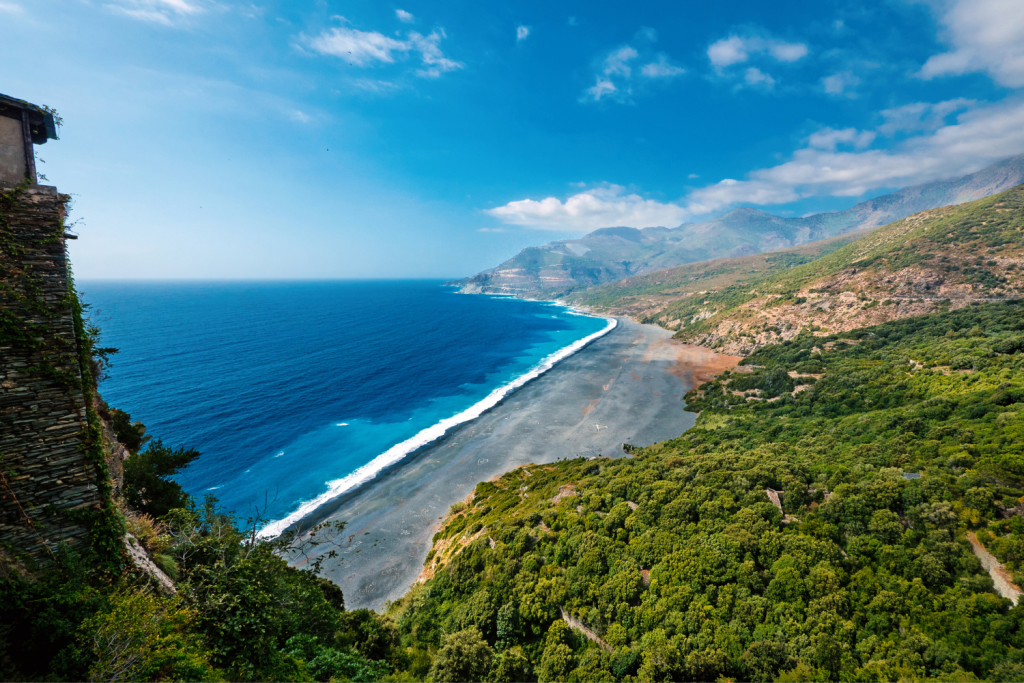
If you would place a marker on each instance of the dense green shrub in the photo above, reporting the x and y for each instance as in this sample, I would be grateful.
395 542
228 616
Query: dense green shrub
147 484
678 561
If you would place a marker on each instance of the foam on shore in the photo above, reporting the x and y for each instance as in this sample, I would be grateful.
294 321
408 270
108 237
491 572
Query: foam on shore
399 451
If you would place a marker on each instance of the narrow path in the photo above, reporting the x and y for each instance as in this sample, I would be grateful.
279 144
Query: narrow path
1000 577
577 625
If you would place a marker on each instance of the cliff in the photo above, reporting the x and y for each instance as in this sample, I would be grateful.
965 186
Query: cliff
53 473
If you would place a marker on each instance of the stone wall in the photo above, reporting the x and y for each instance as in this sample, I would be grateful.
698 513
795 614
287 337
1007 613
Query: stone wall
45 471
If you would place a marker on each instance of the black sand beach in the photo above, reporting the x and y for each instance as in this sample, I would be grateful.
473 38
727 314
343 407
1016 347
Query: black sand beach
625 387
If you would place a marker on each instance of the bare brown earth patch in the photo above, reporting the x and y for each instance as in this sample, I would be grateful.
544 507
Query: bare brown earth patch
697 364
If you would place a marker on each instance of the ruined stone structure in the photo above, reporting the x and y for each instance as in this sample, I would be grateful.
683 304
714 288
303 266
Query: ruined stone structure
47 477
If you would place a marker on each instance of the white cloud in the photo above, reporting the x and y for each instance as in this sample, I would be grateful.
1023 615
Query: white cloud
738 49
166 12
728 51
404 17
692 176
365 48
921 116
491 230
661 69
359 48
11 7
522 32
757 78
980 136
617 63
433 59
300 116
829 139
597 208
615 75
600 89
837 83
986 36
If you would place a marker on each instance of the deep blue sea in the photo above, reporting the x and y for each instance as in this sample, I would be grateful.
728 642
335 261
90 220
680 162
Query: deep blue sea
297 391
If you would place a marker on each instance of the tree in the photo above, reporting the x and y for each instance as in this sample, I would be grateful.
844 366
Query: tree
464 656
512 666
147 486
145 637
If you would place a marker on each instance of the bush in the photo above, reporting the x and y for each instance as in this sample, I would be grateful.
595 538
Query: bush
147 486
464 656
145 637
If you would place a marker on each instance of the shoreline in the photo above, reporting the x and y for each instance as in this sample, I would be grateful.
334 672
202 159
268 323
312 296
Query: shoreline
402 451
625 386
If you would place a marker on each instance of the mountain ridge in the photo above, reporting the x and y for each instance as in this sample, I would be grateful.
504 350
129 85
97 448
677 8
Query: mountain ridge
940 259
609 254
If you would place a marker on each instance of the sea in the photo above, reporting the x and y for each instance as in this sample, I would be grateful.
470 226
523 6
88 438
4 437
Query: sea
296 392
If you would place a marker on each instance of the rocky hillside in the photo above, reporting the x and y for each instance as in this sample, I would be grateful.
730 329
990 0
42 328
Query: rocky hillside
610 254
941 259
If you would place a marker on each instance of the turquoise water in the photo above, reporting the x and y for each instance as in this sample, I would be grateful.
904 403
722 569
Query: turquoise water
297 391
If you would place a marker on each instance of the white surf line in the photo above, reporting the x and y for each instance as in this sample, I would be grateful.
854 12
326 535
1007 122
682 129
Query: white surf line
398 451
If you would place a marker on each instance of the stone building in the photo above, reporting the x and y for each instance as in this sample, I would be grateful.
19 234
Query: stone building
51 480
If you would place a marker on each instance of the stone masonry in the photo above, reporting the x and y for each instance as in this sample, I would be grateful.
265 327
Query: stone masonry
44 469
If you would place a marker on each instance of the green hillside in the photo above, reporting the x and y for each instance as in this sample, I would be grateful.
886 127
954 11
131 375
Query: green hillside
935 260
639 292
675 565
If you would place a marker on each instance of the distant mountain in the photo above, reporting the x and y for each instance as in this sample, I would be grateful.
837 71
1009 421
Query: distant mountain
610 254
935 260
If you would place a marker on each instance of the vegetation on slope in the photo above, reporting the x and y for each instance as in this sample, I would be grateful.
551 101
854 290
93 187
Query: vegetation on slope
932 261
240 611
676 565
641 293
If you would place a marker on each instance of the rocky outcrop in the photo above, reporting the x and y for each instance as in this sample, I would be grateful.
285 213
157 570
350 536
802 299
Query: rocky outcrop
142 561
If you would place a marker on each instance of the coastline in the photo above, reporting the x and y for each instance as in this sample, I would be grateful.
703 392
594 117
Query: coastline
394 456
625 386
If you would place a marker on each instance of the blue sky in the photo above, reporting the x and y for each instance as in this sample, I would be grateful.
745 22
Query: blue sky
331 139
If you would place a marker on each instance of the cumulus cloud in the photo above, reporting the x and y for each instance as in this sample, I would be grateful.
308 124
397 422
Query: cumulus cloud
986 36
404 17
589 210
614 65
615 75
166 12
662 69
522 32
618 61
434 61
600 89
367 48
839 83
738 49
757 78
833 163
